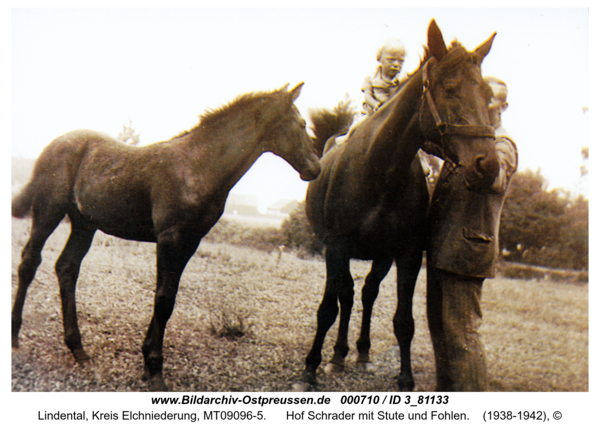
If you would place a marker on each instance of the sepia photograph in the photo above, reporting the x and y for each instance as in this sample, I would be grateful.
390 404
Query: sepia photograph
300 199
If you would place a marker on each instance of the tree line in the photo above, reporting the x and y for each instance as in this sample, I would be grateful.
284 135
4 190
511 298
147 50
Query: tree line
544 227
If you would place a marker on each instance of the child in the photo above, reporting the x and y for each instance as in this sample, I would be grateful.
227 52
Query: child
379 87
383 84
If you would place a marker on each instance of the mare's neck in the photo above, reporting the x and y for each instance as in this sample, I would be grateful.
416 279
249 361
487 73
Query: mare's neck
397 136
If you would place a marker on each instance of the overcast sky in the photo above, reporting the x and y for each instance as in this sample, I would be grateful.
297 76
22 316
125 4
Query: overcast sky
162 68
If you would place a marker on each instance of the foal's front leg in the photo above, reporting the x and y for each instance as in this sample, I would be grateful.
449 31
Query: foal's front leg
173 251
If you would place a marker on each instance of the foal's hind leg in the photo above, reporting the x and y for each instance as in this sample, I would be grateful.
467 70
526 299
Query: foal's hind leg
338 279
408 267
67 269
379 270
42 226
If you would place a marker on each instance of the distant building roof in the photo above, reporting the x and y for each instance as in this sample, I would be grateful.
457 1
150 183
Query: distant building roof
236 199
283 206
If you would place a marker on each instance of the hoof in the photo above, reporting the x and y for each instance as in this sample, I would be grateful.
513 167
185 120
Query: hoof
406 384
15 343
332 368
302 387
309 378
156 384
80 356
365 367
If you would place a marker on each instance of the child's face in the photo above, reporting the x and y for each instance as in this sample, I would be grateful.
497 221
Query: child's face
391 62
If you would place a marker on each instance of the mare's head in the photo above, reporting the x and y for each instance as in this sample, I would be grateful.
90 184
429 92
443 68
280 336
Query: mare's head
287 136
454 112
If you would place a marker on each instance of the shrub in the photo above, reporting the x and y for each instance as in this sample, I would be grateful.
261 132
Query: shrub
295 234
228 325
298 234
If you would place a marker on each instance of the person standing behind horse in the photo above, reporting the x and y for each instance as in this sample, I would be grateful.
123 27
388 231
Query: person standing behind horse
462 252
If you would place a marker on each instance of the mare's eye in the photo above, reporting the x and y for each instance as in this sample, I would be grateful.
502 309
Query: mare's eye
449 87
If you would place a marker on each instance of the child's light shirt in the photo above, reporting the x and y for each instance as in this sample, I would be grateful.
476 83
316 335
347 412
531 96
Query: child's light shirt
379 88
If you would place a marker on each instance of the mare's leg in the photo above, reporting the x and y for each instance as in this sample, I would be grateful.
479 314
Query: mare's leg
379 270
345 288
408 266
338 274
43 224
67 269
174 249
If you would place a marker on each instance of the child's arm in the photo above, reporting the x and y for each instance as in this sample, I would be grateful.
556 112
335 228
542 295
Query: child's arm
370 100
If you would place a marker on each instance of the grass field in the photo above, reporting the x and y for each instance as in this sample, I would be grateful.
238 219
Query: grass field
536 332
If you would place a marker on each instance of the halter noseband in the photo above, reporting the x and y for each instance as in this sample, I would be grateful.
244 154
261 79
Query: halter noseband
475 131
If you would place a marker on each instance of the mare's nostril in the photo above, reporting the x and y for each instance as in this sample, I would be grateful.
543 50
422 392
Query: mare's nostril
487 166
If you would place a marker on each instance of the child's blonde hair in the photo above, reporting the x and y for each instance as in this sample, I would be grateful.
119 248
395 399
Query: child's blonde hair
392 45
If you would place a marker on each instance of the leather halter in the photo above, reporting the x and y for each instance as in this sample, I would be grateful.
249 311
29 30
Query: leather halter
475 131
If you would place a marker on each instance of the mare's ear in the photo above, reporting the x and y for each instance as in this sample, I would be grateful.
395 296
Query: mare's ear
483 49
296 91
435 41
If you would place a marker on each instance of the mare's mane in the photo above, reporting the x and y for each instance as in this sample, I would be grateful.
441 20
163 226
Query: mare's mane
456 55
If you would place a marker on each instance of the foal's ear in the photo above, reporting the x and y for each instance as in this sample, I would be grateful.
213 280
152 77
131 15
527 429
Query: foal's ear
483 49
296 91
435 41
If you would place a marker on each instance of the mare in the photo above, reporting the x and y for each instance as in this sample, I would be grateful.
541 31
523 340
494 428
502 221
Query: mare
171 193
370 200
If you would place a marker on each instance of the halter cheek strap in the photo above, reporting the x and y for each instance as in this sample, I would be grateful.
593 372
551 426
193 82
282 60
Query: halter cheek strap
475 131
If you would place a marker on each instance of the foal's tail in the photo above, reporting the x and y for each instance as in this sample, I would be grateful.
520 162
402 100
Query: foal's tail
22 203
329 123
